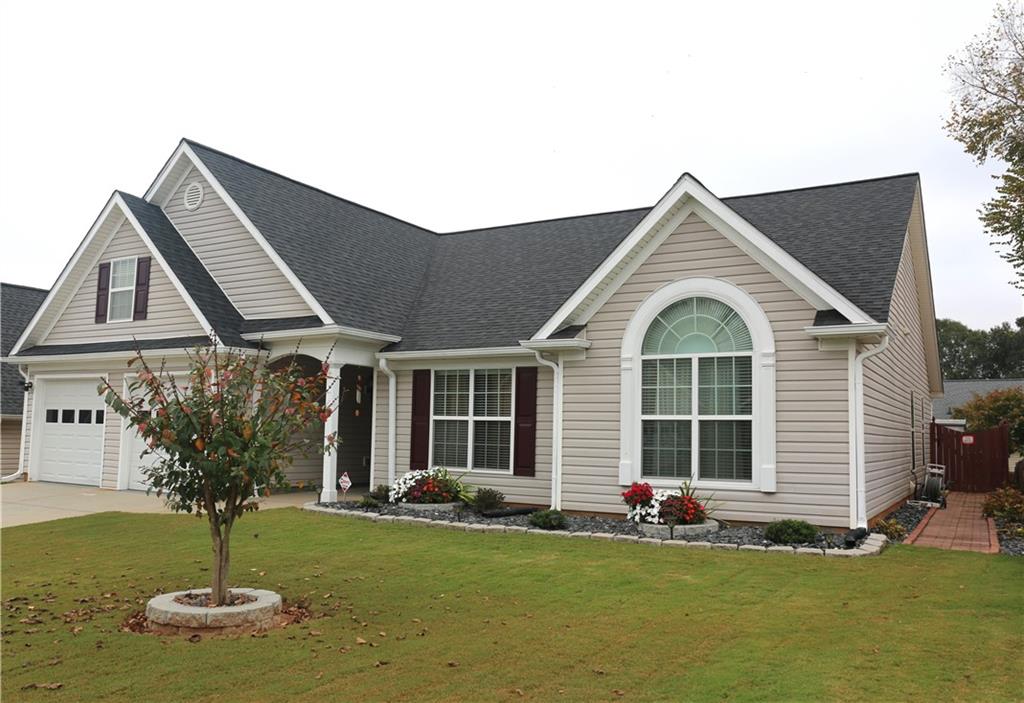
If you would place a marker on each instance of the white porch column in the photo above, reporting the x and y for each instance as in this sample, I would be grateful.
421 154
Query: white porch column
330 481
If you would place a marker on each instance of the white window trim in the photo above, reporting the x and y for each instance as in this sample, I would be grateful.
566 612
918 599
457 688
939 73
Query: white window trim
111 290
471 419
762 379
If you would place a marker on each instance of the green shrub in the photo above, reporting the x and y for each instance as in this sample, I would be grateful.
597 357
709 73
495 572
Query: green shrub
790 532
549 520
893 529
368 503
1005 503
380 493
487 499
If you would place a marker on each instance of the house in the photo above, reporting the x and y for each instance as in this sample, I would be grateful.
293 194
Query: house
960 391
17 305
778 350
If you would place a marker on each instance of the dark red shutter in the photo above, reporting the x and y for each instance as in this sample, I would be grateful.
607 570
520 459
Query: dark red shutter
419 442
524 460
141 288
102 292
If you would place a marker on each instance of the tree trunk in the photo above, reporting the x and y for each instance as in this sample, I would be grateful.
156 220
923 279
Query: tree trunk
221 562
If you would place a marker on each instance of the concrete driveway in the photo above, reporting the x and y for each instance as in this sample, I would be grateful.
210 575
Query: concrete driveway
25 502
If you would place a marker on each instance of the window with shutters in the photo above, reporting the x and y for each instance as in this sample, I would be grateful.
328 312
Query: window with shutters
471 419
696 395
121 303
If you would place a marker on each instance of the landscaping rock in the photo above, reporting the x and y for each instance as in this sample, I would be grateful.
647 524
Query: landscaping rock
701 545
751 548
724 545
680 531
907 515
809 550
650 540
781 548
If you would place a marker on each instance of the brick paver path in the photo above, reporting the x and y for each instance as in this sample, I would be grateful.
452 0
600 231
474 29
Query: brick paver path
960 526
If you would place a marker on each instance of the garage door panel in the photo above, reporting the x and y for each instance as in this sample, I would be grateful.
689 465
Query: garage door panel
71 434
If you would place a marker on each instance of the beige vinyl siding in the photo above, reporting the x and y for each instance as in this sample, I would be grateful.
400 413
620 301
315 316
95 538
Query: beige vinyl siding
893 380
10 444
168 315
531 490
113 434
812 449
309 468
251 280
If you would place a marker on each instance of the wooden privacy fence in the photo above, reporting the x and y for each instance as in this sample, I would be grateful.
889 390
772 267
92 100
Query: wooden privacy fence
976 462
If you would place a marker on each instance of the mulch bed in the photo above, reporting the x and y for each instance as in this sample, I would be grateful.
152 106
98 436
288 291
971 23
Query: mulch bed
203 600
1014 546
907 515
583 523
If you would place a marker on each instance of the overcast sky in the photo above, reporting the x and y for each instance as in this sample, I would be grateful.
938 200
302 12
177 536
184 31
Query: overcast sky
455 116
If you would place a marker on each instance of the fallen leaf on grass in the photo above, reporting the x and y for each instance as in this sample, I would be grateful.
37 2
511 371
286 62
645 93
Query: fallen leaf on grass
599 672
195 638
380 663
619 692
319 676
47 686
453 664
518 691
360 640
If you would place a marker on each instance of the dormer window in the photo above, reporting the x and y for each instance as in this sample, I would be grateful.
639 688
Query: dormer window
122 289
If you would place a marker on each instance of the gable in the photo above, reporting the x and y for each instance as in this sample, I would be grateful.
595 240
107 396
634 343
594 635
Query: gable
252 281
168 315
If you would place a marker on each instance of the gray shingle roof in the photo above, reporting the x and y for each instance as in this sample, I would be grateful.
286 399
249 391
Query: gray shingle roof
114 346
492 287
958 392
17 306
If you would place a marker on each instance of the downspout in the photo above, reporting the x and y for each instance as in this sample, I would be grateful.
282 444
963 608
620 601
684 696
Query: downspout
21 448
392 420
556 430
858 441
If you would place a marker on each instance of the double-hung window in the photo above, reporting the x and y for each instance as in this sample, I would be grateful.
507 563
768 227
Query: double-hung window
696 397
121 305
472 419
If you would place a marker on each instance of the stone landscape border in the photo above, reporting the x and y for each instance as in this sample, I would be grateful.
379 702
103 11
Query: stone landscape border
261 613
873 544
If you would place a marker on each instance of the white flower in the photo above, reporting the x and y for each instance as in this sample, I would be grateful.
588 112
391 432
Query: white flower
399 491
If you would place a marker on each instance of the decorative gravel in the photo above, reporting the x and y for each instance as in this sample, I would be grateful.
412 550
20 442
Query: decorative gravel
578 523
907 515
1014 546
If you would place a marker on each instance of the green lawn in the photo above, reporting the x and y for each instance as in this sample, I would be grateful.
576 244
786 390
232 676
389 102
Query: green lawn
485 617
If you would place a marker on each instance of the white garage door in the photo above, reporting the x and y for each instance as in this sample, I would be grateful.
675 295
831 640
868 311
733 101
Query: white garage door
71 448
137 480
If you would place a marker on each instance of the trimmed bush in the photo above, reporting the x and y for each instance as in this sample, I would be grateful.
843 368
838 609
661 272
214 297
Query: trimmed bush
380 493
368 503
549 520
790 532
893 529
487 499
1006 504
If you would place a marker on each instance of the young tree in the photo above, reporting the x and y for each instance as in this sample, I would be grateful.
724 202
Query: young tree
993 409
229 429
987 118
994 353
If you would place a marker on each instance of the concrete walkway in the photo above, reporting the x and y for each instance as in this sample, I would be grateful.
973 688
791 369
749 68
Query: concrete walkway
961 526
25 502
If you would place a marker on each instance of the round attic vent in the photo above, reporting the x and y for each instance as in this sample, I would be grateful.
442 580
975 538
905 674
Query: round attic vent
193 195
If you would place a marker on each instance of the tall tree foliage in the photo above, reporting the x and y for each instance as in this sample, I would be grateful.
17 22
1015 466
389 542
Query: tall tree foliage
229 427
987 118
996 408
969 353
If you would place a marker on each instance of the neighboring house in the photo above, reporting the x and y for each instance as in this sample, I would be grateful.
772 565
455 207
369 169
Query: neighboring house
17 305
777 349
960 391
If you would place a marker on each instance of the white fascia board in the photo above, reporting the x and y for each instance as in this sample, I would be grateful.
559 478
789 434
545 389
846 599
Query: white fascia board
455 353
852 330
182 291
325 331
93 356
571 344
64 274
747 237
311 301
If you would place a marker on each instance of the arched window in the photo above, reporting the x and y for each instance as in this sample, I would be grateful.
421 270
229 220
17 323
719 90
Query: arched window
698 389
697 429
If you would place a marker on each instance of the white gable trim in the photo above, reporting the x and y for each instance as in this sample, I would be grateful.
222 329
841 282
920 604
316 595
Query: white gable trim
115 211
184 150
689 196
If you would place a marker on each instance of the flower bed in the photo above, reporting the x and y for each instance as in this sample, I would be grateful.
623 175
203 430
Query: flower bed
429 486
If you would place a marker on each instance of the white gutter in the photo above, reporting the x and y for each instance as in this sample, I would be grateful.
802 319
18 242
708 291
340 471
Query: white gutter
392 420
321 331
858 444
21 447
556 431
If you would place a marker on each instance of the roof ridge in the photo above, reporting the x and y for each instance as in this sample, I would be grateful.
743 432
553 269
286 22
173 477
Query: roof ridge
915 174
23 286
305 185
549 219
